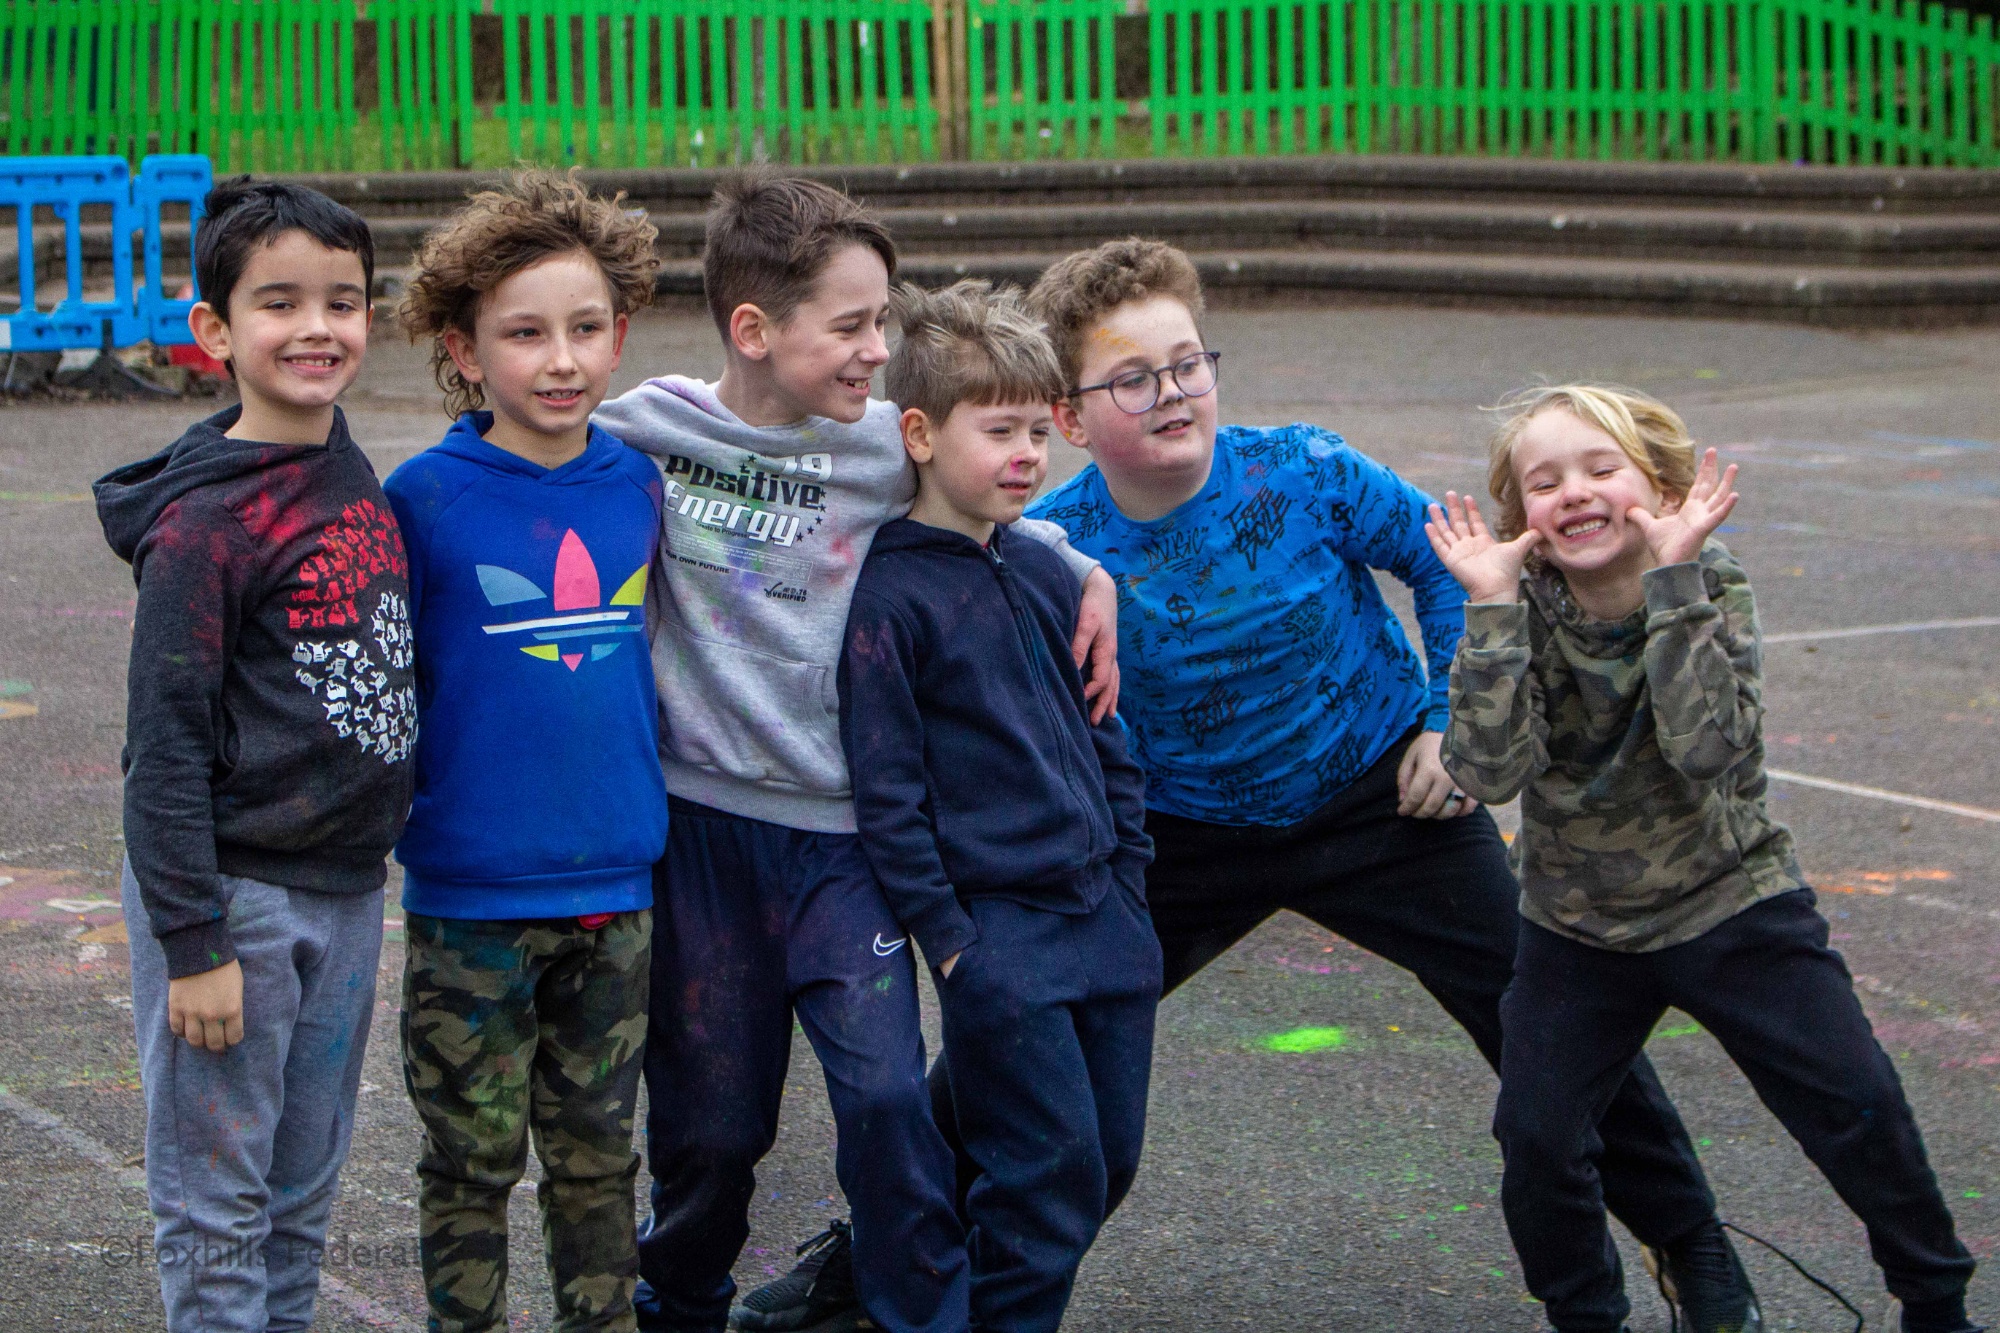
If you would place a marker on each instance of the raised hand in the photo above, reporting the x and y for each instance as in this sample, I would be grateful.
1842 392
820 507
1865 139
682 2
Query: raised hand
1673 538
1487 568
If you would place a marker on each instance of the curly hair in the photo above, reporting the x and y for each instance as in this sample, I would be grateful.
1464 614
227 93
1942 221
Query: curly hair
532 216
1649 432
1080 289
969 343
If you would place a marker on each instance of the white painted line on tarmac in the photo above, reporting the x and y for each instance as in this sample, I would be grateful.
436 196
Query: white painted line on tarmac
1947 905
370 1312
1893 797
1907 627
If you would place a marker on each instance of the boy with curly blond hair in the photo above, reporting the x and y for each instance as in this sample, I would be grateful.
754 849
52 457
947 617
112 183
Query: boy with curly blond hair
1611 675
539 808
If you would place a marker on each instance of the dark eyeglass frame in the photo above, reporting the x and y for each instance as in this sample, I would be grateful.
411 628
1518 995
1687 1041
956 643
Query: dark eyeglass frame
1158 373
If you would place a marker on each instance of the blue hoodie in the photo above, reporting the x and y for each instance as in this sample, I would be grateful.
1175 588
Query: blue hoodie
538 788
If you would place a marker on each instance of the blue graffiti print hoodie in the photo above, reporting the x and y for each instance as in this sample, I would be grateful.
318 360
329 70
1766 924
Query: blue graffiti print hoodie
976 770
538 774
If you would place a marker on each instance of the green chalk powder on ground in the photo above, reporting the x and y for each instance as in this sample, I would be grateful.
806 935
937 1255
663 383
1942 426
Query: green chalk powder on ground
1304 1041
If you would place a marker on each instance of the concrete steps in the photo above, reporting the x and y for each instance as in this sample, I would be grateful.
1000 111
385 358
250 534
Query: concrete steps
1831 245
1825 245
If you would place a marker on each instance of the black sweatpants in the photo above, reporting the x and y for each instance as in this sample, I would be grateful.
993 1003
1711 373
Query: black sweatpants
1783 1007
1432 896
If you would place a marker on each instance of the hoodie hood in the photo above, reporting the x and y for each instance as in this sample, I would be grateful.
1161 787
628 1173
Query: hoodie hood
466 441
1610 639
907 534
130 499
668 415
1607 639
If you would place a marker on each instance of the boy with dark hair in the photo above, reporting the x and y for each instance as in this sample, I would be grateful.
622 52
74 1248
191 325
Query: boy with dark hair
267 773
1611 675
539 811
1007 831
776 478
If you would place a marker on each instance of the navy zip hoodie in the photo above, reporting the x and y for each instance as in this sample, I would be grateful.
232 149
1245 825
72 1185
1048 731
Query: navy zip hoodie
976 770
269 715
538 775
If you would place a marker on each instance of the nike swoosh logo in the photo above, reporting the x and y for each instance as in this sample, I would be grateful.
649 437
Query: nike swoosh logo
883 949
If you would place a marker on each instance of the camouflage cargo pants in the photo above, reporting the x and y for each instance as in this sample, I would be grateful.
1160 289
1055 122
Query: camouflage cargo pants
513 1028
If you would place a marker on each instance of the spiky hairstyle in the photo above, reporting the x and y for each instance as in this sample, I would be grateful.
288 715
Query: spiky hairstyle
1649 432
532 216
969 343
1080 289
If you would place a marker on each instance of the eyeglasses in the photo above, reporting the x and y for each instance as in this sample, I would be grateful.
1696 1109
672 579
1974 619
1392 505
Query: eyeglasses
1138 391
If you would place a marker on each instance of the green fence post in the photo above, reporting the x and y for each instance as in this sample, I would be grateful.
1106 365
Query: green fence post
1158 76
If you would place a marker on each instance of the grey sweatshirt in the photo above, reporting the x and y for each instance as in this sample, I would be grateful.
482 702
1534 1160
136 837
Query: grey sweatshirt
763 533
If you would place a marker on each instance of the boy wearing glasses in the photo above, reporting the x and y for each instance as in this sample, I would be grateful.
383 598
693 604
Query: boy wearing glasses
1288 730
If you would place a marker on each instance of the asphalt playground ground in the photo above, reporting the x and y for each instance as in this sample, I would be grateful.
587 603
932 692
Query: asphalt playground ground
1318 1155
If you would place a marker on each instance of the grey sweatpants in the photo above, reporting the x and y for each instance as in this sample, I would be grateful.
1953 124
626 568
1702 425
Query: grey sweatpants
243 1148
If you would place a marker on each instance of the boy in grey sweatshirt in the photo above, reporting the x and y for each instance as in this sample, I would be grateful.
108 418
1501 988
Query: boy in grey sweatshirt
776 478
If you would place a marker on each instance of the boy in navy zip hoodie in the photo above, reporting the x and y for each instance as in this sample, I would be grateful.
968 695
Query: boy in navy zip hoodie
1007 831
540 808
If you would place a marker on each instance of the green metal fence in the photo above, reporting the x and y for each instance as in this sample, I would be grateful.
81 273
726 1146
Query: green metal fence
387 84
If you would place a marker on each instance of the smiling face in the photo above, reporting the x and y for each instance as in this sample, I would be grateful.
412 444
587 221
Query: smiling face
1168 447
296 332
1576 486
543 346
820 359
981 465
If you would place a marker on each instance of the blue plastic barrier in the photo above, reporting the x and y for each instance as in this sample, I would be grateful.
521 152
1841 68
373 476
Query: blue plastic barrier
168 178
66 185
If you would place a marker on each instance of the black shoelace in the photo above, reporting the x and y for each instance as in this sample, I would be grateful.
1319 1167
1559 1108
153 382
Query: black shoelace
1674 1312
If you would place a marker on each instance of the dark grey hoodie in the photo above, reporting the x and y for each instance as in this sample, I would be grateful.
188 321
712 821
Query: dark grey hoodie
271 712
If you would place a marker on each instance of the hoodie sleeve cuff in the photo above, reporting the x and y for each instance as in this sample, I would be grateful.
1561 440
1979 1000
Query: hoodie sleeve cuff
1671 587
943 929
195 949
1493 625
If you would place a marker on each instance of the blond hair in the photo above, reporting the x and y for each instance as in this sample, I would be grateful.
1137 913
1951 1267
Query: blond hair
1649 432
530 217
969 343
1080 289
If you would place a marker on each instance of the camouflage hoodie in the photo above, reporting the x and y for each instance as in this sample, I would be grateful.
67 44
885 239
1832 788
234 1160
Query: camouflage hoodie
1637 746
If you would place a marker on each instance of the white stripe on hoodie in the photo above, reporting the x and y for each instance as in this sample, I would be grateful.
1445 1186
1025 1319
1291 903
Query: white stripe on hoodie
762 537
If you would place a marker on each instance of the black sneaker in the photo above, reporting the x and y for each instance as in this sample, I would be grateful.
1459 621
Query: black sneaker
1950 1315
817 1296
1704 1285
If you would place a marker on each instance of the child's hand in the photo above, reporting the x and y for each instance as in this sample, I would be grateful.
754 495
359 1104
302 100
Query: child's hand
1096 642
1676 538
206 1009
1423 789
1487 568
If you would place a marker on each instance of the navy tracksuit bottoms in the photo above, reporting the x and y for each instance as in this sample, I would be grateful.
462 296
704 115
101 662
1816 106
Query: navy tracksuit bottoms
1783 1006
752 923
1048 1042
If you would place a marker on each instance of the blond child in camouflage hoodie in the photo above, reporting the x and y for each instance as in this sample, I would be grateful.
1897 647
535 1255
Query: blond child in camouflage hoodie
1610 674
